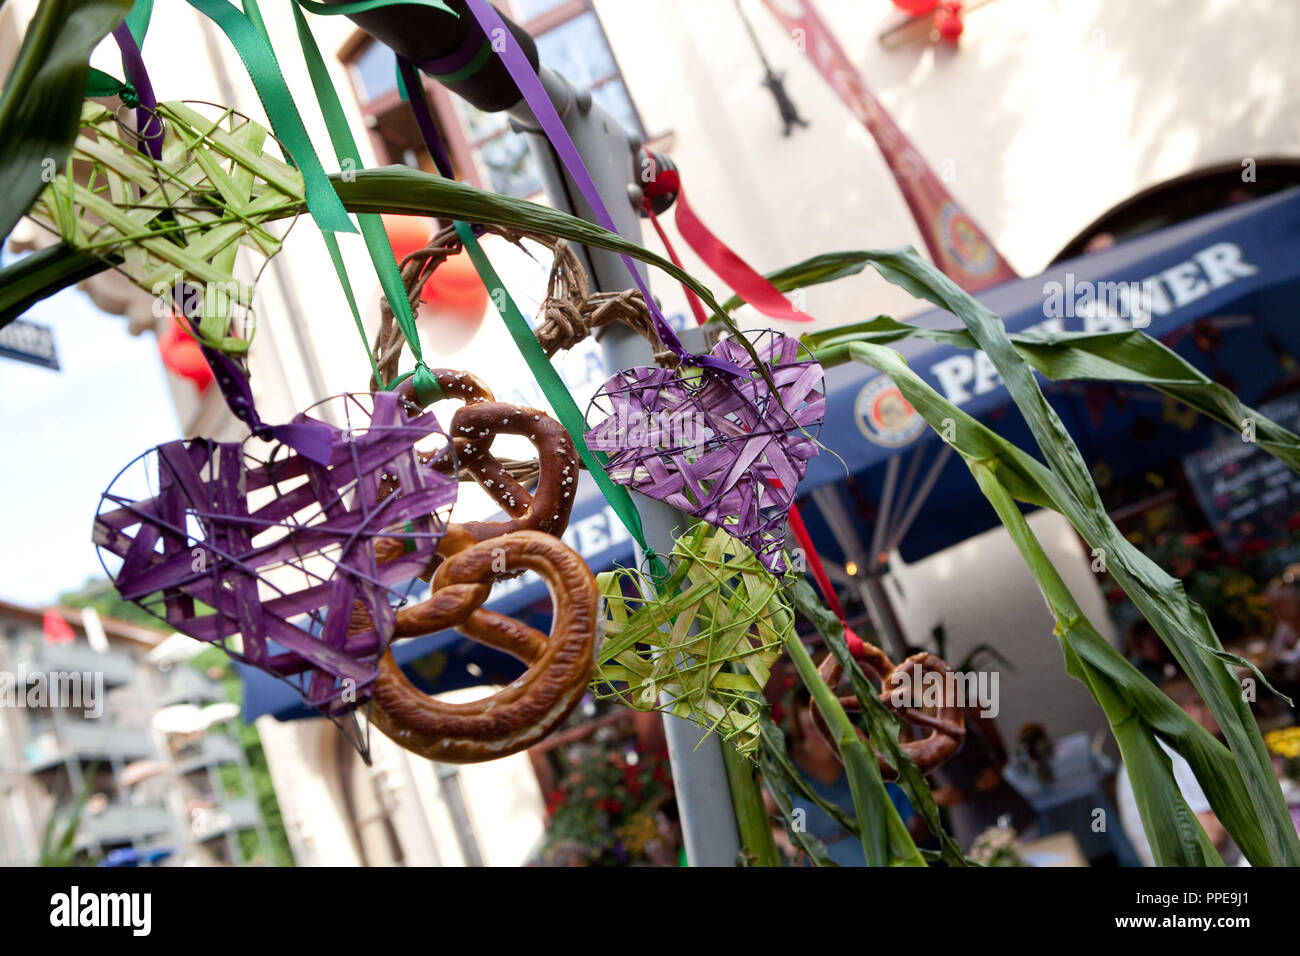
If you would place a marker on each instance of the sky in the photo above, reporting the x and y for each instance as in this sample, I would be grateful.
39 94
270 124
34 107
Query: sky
66 434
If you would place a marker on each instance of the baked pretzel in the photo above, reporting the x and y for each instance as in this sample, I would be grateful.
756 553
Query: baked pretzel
946 723
547 508
559 667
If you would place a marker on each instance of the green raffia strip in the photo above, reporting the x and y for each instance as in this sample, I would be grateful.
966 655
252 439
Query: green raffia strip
181 219
705 642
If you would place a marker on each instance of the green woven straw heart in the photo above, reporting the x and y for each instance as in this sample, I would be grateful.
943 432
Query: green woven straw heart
177 223
702 648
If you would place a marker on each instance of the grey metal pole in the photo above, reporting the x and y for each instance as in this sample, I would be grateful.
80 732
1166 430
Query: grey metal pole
708 819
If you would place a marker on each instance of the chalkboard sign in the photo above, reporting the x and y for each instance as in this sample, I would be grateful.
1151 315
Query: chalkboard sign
1248 495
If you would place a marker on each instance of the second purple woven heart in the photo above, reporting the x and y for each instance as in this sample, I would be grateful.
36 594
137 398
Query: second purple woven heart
727 449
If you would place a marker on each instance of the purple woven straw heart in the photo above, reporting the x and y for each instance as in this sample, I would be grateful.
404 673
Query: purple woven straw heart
218 543
726 449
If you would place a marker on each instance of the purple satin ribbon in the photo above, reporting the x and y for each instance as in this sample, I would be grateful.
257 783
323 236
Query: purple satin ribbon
312 440
419 106
521 71
148 126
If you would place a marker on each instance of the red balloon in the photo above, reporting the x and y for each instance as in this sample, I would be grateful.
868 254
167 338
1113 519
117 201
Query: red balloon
916 8
455 287
407 233
182 355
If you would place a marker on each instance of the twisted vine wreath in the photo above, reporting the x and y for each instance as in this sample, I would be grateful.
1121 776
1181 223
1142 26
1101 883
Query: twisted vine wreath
570 311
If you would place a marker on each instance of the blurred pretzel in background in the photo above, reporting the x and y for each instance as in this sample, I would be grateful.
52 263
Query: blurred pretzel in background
899 685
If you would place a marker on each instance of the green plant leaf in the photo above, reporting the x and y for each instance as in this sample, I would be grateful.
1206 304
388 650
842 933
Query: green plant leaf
41 103
1133 357
1220 774
1181 624
881 723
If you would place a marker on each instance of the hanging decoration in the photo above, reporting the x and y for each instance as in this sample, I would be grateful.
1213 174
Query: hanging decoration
922 690
702 647
174 225
479 553
728 450
559 666
262 556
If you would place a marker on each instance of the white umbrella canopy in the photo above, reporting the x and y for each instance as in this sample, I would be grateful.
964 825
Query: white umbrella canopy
180 719
175 649
216 713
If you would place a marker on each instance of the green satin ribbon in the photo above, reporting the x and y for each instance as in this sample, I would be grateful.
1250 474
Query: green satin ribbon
263 69
553 387
137 21
372 225
99 83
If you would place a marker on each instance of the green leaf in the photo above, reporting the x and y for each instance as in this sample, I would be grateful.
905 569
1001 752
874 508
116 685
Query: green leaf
41 103
1181 624
1133 357
40 274
1217 770
826 267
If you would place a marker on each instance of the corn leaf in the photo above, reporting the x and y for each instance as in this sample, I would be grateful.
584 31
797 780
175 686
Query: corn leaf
1221 775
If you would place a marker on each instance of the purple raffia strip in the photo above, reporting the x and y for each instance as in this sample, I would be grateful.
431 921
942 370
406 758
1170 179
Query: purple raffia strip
148 126
521 71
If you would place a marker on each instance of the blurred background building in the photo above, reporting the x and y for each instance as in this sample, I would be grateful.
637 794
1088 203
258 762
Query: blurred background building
142 764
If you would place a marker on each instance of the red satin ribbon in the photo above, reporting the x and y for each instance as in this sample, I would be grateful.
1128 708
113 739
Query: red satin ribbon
762 295
696 308
739 275
823 580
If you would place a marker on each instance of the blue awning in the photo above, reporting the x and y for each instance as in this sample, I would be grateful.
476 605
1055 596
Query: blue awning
1238 269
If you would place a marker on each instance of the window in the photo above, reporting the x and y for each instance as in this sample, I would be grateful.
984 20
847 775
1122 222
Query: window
482 147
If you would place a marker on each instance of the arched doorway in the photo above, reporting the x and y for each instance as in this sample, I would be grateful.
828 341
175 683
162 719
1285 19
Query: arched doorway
1184 197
